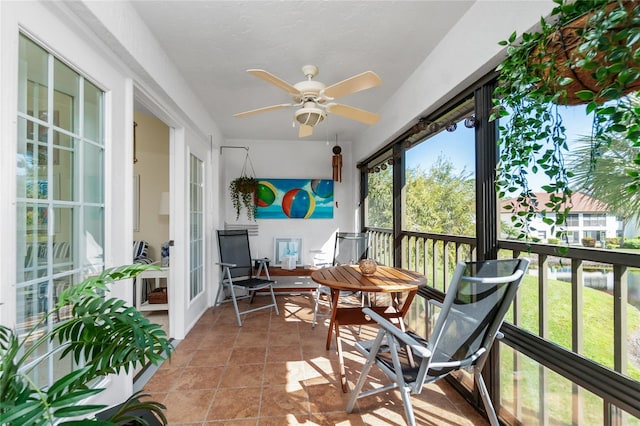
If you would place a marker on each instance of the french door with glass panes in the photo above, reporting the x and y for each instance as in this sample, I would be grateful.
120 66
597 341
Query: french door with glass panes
60 191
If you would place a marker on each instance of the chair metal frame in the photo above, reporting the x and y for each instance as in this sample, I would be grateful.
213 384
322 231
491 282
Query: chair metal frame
337 260
412 361
240 275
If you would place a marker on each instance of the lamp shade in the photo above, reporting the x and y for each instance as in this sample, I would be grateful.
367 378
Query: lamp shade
164 204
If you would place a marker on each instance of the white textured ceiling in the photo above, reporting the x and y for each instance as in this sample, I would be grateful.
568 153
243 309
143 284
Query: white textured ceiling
213 43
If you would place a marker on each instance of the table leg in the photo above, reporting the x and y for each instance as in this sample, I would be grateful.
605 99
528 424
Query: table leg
335 295
407 303
342 374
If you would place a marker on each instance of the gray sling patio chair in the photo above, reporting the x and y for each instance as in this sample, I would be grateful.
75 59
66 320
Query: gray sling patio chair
469 319
349 249
237 271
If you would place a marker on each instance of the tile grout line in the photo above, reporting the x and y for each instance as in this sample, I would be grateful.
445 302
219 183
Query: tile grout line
264 368
217 388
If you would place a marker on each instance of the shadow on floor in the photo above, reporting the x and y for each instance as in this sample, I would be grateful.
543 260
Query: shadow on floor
274 370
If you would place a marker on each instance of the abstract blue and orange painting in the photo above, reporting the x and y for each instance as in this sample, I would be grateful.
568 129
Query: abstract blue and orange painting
294 199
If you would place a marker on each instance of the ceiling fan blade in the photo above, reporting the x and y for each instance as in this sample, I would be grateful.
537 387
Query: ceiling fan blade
305 130
366 80
259 110
353 113
276 81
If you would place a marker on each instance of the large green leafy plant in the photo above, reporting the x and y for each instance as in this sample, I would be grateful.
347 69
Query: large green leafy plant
587 52
103 336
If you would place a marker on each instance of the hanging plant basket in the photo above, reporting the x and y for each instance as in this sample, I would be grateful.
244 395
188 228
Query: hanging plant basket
585 55
587 52
243 191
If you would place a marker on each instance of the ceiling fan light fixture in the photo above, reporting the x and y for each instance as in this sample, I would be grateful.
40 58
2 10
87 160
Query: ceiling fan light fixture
313 97
310 115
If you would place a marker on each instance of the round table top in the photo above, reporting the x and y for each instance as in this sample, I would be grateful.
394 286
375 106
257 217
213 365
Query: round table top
384 279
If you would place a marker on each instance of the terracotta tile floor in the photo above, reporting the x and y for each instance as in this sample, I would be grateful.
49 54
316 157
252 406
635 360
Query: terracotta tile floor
274 370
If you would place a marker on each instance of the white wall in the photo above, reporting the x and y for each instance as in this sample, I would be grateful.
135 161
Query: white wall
469 51
83 52
163 91
113 49
283 159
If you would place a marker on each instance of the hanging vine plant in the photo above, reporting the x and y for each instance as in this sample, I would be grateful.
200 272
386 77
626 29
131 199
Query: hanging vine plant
586 53
243 191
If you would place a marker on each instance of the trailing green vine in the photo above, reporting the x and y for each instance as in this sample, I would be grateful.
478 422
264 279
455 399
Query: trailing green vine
243 190
587 52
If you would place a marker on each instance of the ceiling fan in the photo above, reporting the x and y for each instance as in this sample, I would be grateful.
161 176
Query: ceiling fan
315 100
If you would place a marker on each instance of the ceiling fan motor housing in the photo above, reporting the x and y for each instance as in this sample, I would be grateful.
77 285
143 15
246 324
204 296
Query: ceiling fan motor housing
309 90
310 114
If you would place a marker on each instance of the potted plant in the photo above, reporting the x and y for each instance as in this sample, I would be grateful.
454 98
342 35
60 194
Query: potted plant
103 335
587 52
243 193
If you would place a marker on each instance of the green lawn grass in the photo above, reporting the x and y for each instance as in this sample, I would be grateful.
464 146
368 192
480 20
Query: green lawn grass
597 314
522 382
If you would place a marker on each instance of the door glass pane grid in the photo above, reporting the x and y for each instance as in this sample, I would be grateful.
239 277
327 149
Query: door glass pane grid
66 98
93 113
93 166
33 69
54 223
33 162
32 304
64 185
93 239
196 225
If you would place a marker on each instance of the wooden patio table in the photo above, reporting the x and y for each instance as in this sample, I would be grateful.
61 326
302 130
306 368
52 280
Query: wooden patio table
385 279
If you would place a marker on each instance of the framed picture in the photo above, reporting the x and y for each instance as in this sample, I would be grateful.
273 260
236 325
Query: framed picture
287 247
294 199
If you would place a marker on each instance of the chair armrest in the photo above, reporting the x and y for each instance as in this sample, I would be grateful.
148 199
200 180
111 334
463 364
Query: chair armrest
435 303
227 265
387 325
263 260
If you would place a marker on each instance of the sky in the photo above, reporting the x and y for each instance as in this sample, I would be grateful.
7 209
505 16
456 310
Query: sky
458 146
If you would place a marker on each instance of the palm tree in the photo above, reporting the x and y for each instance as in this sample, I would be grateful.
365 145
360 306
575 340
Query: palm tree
608 178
